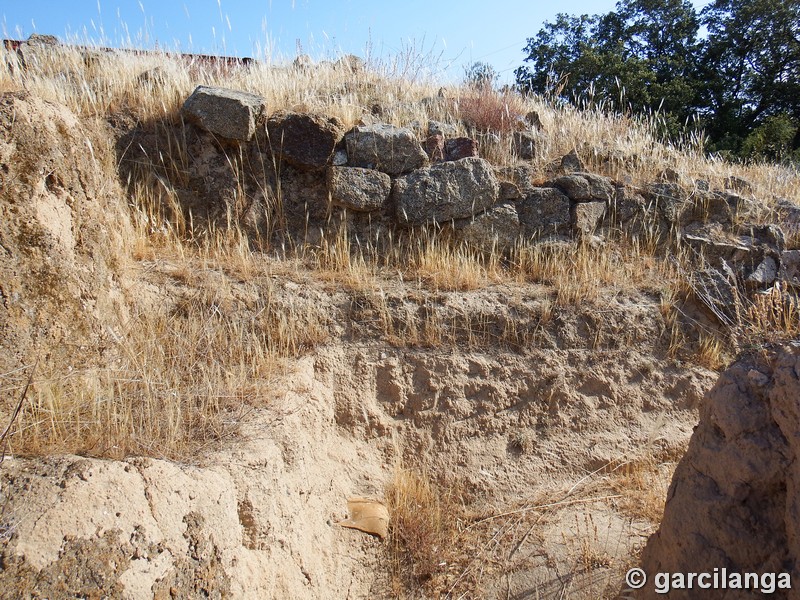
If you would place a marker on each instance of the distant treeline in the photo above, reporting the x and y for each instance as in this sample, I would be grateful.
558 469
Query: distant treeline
732 70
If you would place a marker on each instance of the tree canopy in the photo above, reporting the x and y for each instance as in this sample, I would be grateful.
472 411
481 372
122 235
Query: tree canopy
733 69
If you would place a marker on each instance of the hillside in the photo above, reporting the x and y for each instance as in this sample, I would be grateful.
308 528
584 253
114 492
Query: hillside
228 310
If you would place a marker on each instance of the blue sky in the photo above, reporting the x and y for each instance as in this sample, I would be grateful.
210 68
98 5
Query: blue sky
452 34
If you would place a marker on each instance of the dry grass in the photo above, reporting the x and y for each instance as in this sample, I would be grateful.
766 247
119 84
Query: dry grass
774 315
181 380
153 86
577 273
439 548
711 352
643 482
425 523
441 265
487 111
581 273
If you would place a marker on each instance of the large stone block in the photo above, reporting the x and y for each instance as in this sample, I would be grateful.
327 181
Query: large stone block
358 189
393 150
306 141
229 114
544 211
586 216
524 144
460 147
671 201
790 267
733 499
583 187
446 191
494 229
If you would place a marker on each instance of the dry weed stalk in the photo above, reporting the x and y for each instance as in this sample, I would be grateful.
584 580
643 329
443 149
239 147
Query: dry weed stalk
439 548
711 352
774 315
643 481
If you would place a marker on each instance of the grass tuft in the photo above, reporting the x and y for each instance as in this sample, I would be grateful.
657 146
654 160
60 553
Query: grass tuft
425 522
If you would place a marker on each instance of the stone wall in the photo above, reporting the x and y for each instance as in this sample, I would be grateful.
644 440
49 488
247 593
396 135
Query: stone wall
298 176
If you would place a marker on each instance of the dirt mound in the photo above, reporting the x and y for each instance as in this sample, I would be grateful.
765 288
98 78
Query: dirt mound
733 502
63 224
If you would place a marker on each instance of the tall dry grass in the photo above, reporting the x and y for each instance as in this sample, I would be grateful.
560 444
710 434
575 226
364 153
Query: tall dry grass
152 86
177 381
439 547
426 519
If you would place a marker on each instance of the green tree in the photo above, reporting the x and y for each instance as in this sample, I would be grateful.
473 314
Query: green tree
555 54
773 140
751 61
741 83
641 56
662 36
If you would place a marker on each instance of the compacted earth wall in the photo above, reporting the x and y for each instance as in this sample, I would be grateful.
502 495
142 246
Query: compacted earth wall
732 508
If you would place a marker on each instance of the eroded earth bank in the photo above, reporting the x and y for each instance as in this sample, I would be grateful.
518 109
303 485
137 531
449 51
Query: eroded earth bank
209 385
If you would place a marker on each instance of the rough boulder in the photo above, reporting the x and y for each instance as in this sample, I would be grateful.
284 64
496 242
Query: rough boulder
306 141
734 501
393 150
497 228
229 114
544 211
358 189
446 191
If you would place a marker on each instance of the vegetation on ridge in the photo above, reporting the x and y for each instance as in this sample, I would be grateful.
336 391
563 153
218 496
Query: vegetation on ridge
732 71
